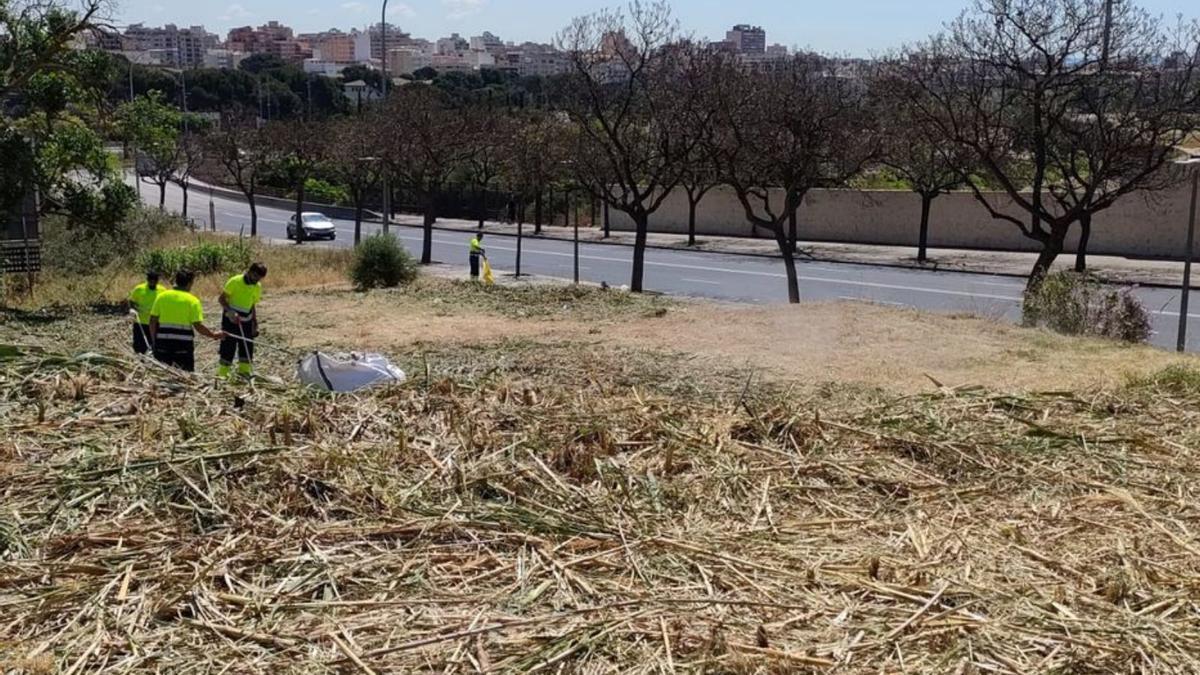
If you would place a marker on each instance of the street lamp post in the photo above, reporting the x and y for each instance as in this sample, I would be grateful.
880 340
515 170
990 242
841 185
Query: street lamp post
387 188
1189 253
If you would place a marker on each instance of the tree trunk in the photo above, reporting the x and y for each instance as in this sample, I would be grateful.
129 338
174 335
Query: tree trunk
162 196
520 237
692 221
358 211
482 206
606 229
427 243
789 264
537 213
641 222
1085 235
792 236
923 237
253 214
184 186
1051 249
299 211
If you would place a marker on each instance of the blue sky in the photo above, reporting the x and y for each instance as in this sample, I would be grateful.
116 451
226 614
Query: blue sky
855 27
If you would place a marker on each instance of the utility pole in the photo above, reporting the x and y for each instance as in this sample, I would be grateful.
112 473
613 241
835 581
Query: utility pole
1108 19
1189 253
131 80
387 185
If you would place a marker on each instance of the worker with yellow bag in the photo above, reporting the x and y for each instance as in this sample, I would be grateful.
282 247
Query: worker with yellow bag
478 260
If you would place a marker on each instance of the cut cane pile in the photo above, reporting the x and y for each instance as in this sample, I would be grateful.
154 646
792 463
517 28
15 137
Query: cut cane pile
578 510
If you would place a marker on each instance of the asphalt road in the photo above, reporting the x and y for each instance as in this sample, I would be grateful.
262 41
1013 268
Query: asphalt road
706 275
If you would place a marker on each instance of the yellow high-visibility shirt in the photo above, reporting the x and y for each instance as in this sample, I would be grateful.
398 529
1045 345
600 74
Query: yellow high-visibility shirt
476 245
176 312
241 296
142 298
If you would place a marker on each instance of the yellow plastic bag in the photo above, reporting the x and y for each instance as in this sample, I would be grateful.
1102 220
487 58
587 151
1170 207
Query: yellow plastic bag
487 273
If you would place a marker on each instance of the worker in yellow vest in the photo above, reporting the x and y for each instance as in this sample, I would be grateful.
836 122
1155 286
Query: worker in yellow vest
477 252
239 320
175 319
141 300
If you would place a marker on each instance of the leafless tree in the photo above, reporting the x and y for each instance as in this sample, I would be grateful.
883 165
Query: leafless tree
242 151
782 132
192 155
354 159
536 156
1063 122
298 147
489 143
430 143
913 150
628 100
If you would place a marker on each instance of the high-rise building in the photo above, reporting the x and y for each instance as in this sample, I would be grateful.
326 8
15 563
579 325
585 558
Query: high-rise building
270 38
178 47
748 39
395 38
452 45
487 43
335 46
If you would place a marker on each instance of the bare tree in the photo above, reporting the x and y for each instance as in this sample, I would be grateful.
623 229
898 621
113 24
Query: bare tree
1063 120
913 150
192 149
699 178
782 132
431 146
535 157
242 150
627 97
354 160
298 146
489 143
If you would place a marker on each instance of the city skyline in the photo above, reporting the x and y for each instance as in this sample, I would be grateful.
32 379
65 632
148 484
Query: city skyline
855 29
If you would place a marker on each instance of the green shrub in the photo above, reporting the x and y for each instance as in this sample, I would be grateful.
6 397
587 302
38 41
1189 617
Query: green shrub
1075 304
1179 379
202 258
78 249
324 192
380 261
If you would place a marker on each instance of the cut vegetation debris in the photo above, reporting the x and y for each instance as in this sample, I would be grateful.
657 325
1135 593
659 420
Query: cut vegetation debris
584 510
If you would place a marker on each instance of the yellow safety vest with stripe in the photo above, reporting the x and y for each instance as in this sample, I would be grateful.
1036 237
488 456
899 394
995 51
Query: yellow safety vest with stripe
241 296
142 299
177 311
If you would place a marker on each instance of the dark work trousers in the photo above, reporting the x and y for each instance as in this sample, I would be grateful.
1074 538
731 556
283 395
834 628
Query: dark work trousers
233 345
141 338
176 353
474 265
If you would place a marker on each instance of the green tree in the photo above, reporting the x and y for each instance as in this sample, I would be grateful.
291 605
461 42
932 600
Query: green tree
48 94
154 129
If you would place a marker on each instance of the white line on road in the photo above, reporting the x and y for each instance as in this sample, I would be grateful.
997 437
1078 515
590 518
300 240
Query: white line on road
701 281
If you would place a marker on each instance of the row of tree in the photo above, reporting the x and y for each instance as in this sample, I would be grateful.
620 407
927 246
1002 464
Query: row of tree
1048 111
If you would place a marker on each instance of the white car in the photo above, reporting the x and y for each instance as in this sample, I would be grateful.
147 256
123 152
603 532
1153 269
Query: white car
316 226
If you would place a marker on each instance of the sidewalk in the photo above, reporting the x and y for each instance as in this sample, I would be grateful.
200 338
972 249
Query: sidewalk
1113 269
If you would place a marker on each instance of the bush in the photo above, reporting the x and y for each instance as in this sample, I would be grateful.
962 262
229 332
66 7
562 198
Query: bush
202 258
78 249
1075 304
381 262
323 192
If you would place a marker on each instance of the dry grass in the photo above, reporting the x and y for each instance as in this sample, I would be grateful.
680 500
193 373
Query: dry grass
852 343
291 267
525 507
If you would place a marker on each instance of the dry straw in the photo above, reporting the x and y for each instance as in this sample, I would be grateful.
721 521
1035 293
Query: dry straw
576 510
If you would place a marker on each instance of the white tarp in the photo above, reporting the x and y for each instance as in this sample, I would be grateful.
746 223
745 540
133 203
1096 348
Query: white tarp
347 372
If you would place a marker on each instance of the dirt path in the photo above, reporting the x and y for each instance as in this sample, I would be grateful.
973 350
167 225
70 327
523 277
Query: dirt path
857 343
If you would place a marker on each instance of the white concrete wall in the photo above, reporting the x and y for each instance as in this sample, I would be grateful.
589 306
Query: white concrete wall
1149 225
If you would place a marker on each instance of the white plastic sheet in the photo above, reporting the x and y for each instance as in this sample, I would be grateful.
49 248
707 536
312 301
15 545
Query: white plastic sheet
347 372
